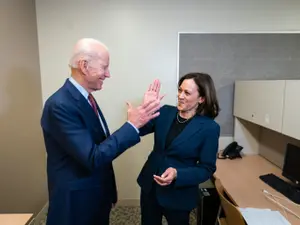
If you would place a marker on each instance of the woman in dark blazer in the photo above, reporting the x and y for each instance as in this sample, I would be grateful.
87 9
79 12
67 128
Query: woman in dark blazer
184 154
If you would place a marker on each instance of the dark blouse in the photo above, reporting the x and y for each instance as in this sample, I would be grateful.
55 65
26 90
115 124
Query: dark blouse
176 128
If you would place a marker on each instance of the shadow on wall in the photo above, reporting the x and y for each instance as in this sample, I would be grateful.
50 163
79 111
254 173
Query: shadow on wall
225 117
22 154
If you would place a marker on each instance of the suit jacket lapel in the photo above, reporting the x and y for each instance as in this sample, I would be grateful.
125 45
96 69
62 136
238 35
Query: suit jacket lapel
103 119
164 128
83 104
193 127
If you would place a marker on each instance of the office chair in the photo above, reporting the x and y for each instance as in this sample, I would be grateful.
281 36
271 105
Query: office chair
233 215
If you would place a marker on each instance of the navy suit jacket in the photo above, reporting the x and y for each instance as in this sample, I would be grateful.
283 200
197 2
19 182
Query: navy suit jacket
81 181
193 153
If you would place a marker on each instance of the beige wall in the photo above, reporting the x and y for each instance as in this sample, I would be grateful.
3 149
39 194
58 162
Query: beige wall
142 37
22 155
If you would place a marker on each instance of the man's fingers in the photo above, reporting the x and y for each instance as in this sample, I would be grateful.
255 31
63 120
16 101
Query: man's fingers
155 109
129 106
152 107
152 116
146 104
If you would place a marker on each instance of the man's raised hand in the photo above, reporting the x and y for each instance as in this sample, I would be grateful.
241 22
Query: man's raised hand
142 114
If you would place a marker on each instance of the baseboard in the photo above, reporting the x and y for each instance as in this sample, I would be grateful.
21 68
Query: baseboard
128 202
224 141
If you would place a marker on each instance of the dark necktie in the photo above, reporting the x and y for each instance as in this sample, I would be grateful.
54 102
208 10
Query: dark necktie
93 103
94 106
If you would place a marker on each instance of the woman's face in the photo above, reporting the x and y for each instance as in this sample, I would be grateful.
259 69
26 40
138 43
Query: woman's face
188 96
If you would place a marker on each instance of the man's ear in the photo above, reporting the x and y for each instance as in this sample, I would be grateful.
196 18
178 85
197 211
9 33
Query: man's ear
83 65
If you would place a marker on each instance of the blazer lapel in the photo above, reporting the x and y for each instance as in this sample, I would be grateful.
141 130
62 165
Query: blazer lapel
164 128
83 104
103 120
194 126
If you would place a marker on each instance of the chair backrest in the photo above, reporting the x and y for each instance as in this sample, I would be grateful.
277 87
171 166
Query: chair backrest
232 213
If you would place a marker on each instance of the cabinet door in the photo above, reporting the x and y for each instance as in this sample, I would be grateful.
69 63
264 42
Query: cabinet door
270 101
260 102
243 100
291 113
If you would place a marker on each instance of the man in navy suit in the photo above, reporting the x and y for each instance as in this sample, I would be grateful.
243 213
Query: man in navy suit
80 149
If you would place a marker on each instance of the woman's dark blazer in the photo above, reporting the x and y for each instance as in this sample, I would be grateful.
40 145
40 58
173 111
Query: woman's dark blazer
193 153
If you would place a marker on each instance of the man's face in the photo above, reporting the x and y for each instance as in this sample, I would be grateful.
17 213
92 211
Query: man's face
97 70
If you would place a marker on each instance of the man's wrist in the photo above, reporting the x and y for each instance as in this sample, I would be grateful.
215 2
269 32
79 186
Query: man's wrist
137 130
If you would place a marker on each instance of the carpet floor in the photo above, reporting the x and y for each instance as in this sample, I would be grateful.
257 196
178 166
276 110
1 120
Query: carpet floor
120 215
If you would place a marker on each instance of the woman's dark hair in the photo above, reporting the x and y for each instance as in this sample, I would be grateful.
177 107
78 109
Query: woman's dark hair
206 88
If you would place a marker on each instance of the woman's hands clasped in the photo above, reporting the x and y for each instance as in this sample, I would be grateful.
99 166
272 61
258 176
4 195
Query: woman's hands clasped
167 177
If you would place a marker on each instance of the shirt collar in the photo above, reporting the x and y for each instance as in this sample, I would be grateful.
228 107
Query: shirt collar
79 87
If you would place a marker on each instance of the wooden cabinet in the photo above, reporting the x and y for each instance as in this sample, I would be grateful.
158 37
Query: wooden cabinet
244 102
260 102
291 113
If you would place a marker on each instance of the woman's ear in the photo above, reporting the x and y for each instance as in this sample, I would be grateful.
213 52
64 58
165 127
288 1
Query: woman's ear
201 100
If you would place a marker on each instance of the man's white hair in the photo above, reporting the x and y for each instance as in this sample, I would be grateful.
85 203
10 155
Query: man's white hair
85 50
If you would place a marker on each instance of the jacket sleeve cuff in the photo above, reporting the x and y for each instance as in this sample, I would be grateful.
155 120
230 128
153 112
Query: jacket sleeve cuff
137 130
